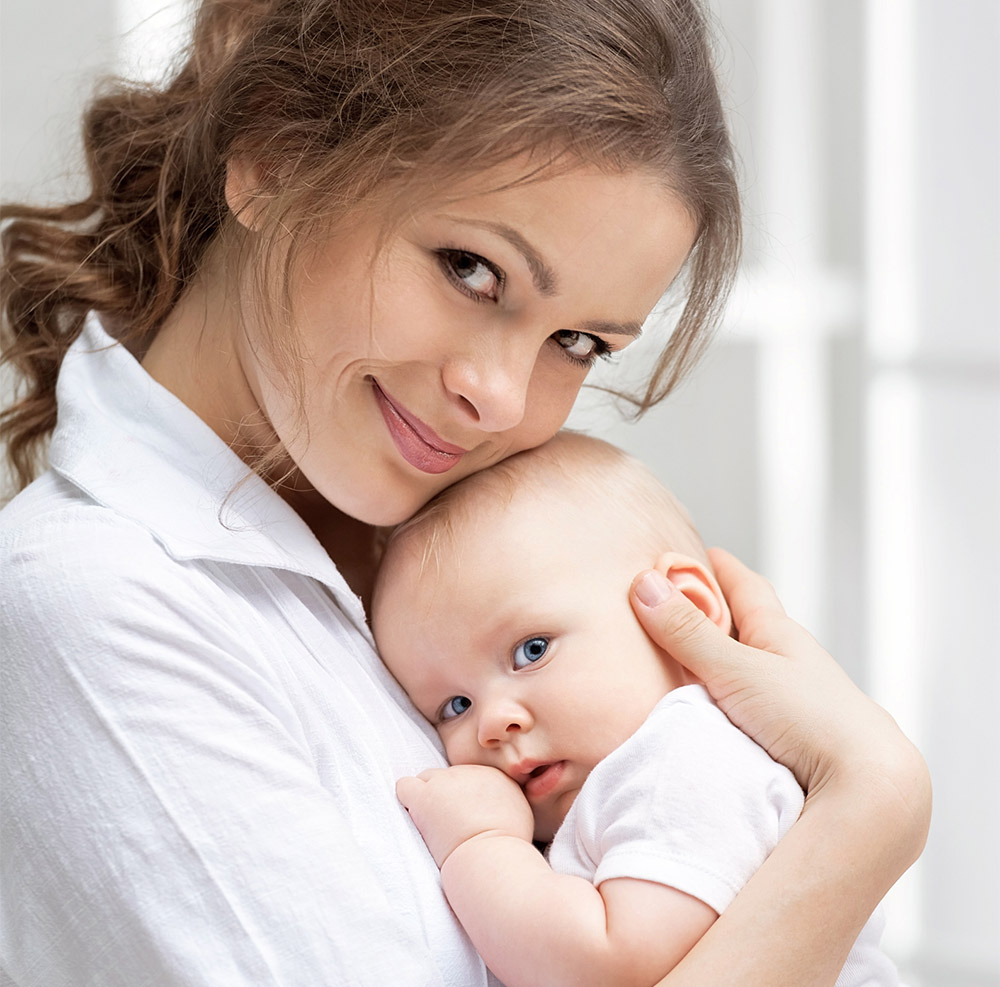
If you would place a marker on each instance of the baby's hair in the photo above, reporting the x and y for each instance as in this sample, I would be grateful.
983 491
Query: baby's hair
379 104
585 471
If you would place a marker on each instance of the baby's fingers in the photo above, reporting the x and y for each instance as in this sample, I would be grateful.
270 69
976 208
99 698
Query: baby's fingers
408 790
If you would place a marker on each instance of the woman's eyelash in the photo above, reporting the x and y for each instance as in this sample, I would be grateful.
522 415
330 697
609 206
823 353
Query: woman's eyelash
602 351
447 257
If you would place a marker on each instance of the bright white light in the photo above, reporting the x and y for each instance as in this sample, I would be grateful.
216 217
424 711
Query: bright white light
787 131
896 675
794 453
891 180
896 672
793 326
151 32
893 514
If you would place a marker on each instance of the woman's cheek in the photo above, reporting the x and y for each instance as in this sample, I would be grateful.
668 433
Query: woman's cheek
550 400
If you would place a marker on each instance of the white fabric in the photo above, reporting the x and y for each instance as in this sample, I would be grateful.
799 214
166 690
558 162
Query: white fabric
690 802
200 743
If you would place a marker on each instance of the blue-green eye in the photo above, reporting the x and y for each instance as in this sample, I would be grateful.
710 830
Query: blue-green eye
530 651
455 706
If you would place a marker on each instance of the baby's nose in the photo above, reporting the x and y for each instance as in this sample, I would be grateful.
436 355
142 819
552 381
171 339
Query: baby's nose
500 721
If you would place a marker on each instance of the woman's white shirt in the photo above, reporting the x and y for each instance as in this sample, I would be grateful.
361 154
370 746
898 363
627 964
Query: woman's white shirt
200 743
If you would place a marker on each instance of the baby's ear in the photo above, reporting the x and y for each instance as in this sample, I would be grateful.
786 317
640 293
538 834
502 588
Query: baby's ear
695 580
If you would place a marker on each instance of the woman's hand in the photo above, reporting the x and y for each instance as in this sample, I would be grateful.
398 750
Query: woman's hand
868 793
783 690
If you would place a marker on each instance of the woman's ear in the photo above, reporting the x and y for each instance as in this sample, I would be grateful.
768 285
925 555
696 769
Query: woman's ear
695 580
246 190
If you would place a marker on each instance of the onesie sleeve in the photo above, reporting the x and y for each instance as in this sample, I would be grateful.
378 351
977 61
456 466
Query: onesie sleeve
169 825
689 802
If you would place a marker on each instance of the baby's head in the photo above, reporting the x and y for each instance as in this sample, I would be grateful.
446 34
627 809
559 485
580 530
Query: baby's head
502 608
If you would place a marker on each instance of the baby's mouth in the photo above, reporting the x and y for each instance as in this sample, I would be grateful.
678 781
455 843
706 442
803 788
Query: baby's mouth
524 771
543 779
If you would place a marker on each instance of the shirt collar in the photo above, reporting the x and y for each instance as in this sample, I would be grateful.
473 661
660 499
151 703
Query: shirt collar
138 450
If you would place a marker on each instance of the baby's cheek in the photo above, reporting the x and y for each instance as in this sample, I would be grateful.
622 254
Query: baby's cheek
460 748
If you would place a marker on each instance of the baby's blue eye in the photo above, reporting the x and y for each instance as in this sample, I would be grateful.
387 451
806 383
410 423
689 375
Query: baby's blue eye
530 651
455 706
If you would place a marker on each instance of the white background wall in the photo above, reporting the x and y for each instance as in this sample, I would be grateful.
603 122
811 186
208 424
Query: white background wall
844 434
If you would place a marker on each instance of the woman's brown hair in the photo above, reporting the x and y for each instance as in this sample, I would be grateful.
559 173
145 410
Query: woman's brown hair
346 99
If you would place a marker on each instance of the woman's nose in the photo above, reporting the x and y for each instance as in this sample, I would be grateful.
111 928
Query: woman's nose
501 720
490 383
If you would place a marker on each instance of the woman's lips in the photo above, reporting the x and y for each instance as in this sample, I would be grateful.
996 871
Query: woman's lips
543 780
416 441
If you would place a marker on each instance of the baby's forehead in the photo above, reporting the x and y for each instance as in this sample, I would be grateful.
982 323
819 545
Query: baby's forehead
446 534
528 530
580 486
451 536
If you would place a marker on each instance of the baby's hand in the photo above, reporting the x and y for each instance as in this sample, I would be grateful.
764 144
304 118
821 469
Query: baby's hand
452 805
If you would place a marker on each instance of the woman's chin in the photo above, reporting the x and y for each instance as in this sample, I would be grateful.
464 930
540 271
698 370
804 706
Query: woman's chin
384 507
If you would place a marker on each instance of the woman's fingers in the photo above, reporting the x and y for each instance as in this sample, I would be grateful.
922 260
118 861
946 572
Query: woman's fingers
775 683
759 617
785 692
744 589
760 690
675 624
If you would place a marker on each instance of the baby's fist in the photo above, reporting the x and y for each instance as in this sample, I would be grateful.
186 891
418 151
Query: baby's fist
452 805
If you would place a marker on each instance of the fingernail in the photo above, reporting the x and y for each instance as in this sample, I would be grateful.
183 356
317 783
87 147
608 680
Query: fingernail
653 588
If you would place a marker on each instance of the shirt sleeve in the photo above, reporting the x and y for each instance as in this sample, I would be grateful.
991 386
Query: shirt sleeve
689 802
163 819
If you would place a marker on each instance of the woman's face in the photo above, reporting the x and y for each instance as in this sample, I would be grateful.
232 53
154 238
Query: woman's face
466 336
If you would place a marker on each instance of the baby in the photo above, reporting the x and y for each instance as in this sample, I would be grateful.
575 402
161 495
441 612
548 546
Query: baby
502 609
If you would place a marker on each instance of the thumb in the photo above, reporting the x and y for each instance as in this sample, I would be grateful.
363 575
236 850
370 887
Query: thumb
676 625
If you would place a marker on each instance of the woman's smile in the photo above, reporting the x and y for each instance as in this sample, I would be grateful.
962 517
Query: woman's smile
416 441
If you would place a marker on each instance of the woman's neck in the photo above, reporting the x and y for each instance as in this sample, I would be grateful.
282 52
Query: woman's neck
352 544
194 355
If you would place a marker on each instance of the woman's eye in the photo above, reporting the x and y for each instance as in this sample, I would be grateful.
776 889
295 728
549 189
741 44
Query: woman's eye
455 706
579 346
473 275
530 651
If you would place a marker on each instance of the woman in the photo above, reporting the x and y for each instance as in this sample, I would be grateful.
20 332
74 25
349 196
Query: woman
353 253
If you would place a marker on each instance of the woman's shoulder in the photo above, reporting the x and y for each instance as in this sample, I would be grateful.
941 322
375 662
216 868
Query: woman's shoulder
46 496
53 529
89 595
73 567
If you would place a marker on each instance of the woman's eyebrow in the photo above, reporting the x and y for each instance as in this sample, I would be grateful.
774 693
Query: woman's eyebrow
630 328
542 275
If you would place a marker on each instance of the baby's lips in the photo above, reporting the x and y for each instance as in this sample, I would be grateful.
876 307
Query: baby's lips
524 771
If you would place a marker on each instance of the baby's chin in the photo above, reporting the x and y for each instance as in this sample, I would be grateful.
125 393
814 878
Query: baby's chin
549 818
546 829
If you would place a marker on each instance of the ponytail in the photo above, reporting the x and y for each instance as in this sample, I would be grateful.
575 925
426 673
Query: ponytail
131 246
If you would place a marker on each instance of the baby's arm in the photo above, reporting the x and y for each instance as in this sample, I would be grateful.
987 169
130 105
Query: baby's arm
530 924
